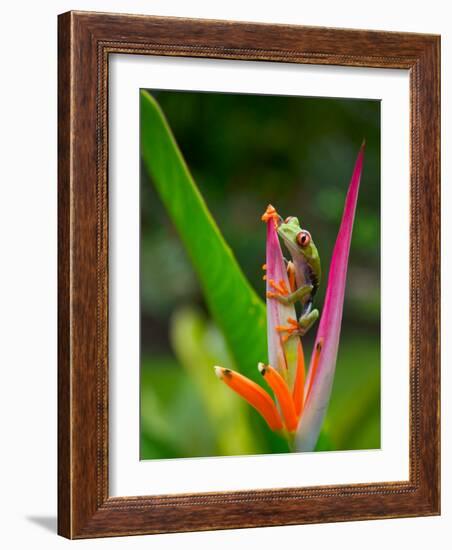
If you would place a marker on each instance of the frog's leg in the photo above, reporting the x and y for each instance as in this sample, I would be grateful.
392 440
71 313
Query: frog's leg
283 295
299 327
306 321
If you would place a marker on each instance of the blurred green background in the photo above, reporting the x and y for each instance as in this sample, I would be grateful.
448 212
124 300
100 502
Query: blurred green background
245 151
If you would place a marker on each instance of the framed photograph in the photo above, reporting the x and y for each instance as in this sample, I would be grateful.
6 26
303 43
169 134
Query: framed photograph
249 275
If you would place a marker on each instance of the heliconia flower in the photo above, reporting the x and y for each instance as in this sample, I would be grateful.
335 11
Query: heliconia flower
301 402
285 374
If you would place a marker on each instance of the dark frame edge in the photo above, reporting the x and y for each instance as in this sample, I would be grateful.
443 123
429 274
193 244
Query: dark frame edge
64 293
431 112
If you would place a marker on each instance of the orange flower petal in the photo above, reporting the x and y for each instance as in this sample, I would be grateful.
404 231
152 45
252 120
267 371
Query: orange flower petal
256 396
283 395
298 389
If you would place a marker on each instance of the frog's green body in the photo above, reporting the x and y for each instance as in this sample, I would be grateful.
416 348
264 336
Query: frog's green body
306 264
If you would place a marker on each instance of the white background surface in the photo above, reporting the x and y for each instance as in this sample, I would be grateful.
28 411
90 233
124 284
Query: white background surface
129 476
28 272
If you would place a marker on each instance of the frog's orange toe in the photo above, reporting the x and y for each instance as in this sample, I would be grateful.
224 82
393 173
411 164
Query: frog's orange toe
290 329
270 214
280 288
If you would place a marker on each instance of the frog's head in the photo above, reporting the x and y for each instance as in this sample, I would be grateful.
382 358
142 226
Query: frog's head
297 240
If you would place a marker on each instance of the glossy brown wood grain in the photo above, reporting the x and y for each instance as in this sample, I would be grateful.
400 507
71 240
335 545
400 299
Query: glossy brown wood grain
86 40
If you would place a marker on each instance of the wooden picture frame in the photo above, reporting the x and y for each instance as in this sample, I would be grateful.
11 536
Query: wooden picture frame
85 42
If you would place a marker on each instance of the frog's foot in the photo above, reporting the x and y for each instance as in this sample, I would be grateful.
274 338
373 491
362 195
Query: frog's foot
299 327
284 296
280 290
271 214
290 329
264 267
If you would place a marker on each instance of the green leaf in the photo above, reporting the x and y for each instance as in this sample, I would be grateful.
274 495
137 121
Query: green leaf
235 307
198 345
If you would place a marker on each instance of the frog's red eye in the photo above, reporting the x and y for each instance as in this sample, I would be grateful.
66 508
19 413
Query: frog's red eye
303 238
287 220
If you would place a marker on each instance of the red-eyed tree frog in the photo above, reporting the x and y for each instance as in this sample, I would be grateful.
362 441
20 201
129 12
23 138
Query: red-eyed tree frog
304 271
